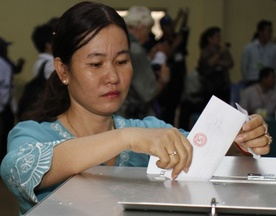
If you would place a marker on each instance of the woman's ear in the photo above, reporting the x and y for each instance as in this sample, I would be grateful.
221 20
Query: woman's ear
62 70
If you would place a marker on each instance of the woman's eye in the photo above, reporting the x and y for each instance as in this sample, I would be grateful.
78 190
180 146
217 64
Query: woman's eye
123 61
96 64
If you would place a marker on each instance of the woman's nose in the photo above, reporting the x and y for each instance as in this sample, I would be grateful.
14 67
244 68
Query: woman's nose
112 75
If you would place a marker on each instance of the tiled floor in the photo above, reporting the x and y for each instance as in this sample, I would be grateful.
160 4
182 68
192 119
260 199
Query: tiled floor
8 204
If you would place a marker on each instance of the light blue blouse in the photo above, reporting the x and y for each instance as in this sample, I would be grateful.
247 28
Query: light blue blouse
30 152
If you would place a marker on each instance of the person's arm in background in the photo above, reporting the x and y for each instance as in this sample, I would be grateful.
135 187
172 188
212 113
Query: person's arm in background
207 61
18 66
182 13
180 41
221 57
225 59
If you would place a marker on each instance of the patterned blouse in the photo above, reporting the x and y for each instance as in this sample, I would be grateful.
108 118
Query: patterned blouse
30 152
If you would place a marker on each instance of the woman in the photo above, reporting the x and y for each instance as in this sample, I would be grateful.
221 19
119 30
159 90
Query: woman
214 64
74 128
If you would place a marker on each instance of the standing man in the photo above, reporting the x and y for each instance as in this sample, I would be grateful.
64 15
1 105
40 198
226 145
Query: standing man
144 87
261 97
42 40
176 59
42 68
259 53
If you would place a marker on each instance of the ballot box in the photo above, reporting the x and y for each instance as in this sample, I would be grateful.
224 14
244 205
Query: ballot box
240 186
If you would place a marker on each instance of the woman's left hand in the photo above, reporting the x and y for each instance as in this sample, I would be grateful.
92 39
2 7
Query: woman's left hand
254 134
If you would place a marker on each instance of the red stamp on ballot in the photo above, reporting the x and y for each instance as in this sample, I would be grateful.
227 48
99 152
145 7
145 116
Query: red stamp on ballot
200 139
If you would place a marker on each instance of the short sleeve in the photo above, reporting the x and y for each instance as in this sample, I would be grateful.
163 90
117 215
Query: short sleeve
28 159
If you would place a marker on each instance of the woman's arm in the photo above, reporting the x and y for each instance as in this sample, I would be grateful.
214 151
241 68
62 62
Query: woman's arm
76 155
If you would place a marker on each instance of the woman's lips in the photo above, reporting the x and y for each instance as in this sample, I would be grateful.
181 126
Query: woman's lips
112 94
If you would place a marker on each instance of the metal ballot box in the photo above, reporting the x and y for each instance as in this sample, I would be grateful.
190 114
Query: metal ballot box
240 186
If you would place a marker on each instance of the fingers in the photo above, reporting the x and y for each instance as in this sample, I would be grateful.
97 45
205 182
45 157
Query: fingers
185 158
265 128
176 155
167 159
261 145
269 141
256 121
262 151
255 135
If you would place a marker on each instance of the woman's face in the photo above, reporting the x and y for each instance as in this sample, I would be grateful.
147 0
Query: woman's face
141 33
100 73
215 40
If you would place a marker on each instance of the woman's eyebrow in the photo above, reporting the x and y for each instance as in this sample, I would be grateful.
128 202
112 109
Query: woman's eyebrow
103 54
123 52
95 54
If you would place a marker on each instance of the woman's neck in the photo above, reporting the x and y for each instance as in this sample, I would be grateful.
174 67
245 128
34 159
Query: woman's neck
85 125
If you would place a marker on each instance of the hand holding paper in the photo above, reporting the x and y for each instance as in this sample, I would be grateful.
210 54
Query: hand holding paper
211 137
256 156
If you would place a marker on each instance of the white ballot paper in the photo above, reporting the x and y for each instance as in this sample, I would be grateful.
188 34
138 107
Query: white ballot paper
211 137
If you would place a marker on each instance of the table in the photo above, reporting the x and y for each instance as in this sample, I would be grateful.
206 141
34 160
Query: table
98 190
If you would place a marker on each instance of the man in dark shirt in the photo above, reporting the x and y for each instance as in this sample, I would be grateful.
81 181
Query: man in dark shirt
177 40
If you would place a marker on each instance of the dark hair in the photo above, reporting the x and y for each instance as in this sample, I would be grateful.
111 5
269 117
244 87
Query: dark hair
206 35
261 25
70 34
166 20
41 35
265 72
53 21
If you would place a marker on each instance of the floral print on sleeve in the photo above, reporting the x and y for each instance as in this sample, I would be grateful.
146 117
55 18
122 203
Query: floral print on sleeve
31 162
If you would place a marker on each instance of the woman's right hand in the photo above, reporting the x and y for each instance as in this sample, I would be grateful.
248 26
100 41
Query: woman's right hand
168 144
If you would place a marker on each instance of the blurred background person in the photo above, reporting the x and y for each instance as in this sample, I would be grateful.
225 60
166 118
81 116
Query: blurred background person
211 77
214 64
42 40
145 86
7 116
259 53
42 68
150 42
193 101
261 97
175 35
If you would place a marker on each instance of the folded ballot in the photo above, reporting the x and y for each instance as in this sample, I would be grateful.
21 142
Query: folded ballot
211 137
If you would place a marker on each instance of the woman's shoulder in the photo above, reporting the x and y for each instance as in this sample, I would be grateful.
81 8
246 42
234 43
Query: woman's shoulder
38 126
26 127
28 123
43 132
